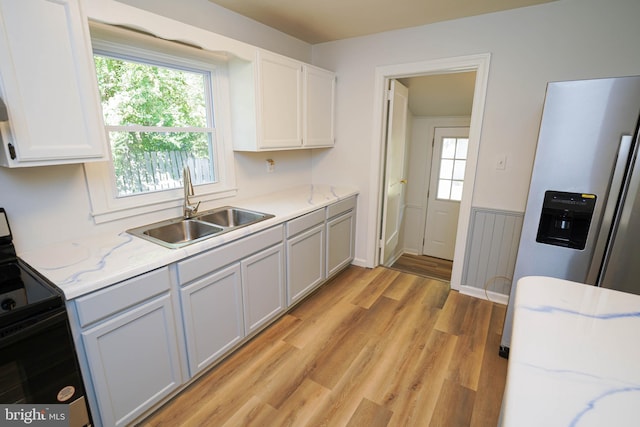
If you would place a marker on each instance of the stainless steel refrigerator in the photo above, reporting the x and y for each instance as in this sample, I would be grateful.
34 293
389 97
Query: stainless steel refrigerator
582 220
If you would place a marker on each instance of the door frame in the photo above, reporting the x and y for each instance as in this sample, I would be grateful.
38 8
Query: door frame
478 63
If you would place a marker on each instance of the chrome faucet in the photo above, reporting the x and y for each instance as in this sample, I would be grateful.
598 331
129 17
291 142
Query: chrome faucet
188 210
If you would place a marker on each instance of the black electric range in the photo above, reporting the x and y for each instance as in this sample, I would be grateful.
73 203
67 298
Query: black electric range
38 361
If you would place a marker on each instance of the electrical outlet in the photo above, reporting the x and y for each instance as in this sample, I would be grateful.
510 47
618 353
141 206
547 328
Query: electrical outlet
271 165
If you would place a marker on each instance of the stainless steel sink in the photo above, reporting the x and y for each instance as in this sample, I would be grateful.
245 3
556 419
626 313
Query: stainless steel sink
178 232
175 233
232 217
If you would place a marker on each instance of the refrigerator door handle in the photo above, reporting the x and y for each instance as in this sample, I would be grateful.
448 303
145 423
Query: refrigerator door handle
617 180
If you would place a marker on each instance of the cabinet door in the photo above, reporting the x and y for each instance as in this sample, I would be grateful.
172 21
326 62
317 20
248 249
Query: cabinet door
280 95
305 263
213 317
319 101
48 82
263 287
340 242
133 360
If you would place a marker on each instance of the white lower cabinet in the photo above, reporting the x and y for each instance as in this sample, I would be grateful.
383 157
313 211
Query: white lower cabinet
230 292
340 235
132 351
263 287
305 255
213 316
319 245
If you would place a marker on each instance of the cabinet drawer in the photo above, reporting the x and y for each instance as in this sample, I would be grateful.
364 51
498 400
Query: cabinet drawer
341 207
199 265
104 303
305 222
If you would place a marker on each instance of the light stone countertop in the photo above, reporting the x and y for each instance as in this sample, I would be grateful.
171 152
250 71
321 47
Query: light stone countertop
575 356
81 266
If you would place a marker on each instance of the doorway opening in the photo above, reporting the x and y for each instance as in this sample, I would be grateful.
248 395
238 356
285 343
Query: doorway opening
476 64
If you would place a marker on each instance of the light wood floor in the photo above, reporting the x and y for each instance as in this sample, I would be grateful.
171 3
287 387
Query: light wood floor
423 265
370 348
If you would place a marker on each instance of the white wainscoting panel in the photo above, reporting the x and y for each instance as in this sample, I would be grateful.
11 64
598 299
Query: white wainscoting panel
490 257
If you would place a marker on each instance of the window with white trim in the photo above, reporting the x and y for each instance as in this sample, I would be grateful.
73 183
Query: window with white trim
164 108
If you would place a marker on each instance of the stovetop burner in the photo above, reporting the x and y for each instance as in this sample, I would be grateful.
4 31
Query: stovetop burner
12 292
20 287
23 292
9 273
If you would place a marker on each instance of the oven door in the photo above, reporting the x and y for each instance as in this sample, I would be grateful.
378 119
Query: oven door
38 363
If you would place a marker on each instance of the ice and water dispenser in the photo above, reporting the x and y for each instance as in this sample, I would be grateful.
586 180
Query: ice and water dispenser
565 219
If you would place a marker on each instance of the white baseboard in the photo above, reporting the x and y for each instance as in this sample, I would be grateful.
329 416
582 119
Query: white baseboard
361 262
485 295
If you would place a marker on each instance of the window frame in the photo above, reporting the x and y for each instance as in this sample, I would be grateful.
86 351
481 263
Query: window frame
129 45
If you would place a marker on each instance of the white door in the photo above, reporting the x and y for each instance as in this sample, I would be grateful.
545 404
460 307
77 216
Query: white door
395 181
448 164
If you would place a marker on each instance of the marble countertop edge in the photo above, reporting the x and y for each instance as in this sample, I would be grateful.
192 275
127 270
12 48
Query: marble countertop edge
84 265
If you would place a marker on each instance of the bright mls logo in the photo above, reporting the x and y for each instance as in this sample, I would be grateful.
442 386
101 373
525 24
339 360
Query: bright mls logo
37 415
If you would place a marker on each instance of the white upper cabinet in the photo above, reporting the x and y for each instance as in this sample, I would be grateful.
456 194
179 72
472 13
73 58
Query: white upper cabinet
48 83
290 107
319 102
279 101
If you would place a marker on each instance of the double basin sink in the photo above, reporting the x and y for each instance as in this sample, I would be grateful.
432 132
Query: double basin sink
178 232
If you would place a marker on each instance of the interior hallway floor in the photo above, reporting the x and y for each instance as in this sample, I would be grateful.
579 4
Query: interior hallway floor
424 265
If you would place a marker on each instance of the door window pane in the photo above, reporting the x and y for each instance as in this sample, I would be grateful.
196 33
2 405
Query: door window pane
446 169
444 189
461 148
448 148
453 162
458 169
456 190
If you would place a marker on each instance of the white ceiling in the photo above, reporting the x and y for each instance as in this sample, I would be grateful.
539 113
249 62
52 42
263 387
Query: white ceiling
317 21
441 94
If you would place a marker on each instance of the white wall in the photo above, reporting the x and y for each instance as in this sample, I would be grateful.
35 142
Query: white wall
563 40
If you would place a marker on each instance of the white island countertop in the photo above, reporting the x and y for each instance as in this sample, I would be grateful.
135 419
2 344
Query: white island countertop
575 356
85 265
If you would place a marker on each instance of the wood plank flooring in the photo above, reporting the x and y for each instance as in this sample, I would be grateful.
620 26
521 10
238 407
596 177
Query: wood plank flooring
373 347
423 265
